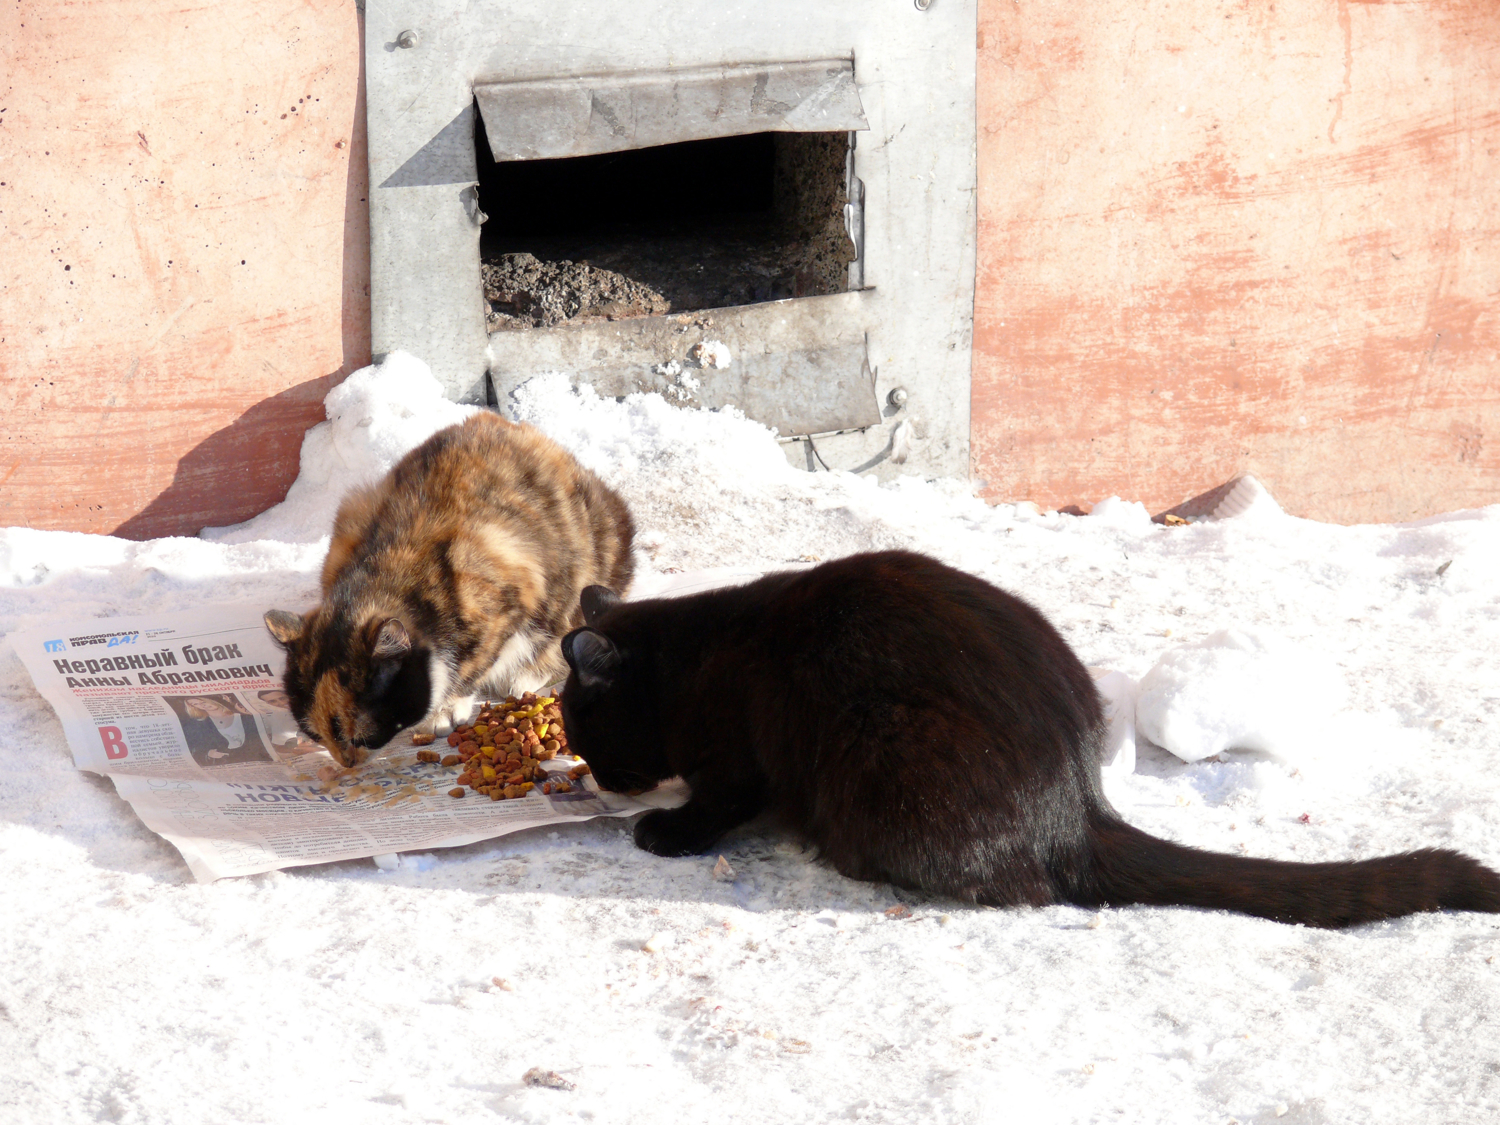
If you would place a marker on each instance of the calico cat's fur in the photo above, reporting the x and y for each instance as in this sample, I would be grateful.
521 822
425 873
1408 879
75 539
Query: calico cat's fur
920 727
460 570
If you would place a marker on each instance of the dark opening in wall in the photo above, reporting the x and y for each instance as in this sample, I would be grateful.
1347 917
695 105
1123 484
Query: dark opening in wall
698 225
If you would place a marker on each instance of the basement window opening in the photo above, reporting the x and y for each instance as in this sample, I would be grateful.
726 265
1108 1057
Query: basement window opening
701 224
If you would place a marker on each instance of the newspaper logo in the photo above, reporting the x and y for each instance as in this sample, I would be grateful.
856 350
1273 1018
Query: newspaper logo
54 646
110 640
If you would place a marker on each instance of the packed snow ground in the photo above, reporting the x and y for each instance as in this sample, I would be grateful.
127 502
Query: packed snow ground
129 993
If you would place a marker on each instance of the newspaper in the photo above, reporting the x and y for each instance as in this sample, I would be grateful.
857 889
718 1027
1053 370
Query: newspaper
185 713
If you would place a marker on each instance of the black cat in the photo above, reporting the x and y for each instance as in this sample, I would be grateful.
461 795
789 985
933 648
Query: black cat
919 727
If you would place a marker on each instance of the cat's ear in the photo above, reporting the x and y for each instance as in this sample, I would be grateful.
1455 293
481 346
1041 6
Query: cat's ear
284 627
392 641
595 600
592 656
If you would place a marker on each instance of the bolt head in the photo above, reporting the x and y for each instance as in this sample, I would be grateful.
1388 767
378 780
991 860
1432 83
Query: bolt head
408 39
897 397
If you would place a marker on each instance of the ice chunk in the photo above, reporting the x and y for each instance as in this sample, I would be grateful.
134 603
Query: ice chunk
1243 689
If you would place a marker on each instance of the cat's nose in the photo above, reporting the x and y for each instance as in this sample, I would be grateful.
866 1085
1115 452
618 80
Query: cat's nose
349 754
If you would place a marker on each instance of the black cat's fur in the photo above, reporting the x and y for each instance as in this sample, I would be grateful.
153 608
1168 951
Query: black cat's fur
920 727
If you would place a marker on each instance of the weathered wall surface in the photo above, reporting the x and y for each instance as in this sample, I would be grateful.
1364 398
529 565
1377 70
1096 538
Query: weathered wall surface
1230 237
1213 239
184 255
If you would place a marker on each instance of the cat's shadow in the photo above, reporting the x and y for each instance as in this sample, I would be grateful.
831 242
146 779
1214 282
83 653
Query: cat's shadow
769 869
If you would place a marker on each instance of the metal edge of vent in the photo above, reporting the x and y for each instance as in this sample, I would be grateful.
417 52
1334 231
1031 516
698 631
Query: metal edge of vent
548 119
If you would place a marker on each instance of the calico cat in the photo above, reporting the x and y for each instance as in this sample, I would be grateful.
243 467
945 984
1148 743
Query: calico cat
919 727
460 570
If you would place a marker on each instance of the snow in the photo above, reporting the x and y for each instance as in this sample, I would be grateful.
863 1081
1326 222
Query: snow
1120 694
710 353
778 991
1241 689
374 417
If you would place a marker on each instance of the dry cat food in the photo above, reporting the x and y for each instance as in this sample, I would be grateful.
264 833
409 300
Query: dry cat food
503 749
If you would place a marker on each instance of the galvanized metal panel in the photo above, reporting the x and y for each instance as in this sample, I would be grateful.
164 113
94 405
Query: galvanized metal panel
799 366
581 116
425 289
915 74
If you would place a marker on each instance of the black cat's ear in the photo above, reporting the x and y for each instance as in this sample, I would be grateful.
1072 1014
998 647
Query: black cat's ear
592 656
595 600
284 627
391 641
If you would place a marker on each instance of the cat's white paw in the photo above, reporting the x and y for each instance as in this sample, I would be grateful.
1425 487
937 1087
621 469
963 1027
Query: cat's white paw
454 713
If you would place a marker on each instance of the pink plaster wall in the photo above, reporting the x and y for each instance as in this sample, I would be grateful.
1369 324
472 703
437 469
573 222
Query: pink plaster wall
1213 239
1250 236
184 255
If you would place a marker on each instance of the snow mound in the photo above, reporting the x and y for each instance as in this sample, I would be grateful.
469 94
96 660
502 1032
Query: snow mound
1122 513
1240 689
374 417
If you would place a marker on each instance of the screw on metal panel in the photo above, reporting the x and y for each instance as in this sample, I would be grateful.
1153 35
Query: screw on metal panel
922 5
897 397
408 39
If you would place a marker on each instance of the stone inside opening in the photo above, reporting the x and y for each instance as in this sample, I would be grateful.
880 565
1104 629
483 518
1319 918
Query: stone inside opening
674 228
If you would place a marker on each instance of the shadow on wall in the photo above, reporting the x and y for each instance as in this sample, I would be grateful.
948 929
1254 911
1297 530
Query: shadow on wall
239 471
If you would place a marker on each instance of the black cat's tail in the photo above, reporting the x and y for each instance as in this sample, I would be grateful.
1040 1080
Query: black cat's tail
1130 866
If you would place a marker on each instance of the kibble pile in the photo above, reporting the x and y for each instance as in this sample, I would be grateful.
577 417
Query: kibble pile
502 751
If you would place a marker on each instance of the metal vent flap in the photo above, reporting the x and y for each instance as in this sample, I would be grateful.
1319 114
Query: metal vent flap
564 117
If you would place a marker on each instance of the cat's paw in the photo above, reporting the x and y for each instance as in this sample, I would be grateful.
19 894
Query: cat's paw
454 713
661 833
